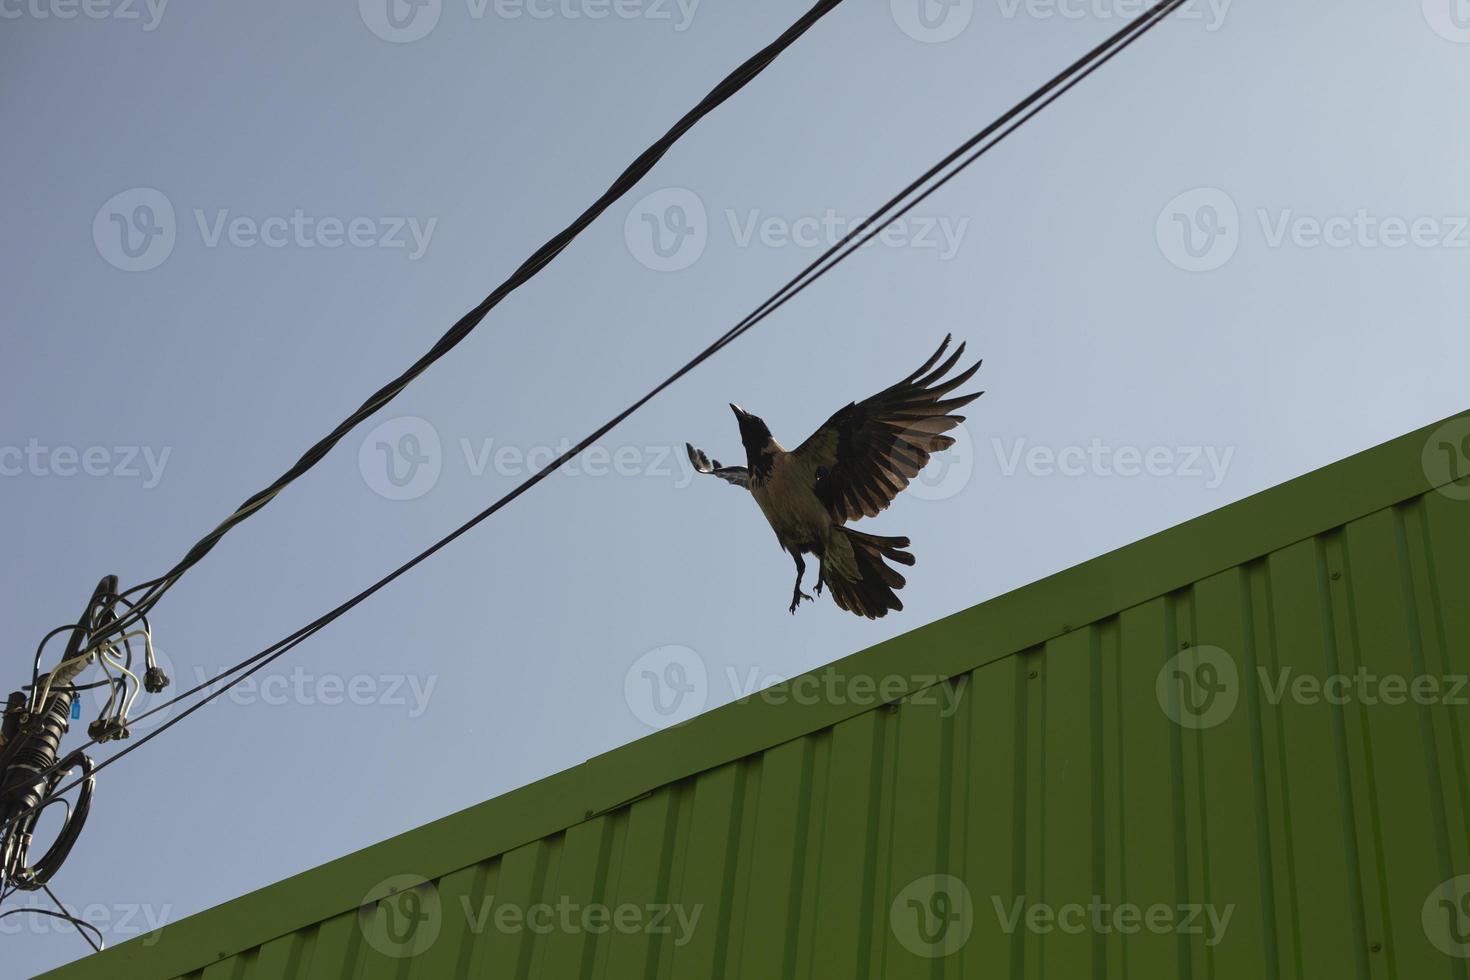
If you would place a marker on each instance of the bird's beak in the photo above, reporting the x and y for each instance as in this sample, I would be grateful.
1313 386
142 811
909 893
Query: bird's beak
740 413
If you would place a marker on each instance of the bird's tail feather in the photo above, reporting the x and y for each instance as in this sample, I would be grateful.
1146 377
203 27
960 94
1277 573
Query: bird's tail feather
872 593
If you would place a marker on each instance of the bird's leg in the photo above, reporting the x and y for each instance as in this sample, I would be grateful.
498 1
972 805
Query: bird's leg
797 595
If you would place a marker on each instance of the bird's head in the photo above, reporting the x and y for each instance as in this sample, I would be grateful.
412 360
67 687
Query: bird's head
754 433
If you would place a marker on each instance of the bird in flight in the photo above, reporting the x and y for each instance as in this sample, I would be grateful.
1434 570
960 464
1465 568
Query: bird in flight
852 467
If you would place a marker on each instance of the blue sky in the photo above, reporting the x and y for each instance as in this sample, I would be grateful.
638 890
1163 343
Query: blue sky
1234 255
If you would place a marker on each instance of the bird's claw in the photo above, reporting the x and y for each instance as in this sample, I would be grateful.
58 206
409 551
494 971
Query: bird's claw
796 598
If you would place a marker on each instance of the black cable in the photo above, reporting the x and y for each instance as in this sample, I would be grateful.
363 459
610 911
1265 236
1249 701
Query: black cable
997 131
79 924
731 84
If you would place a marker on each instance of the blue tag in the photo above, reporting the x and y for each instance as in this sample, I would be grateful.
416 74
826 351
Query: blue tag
76 710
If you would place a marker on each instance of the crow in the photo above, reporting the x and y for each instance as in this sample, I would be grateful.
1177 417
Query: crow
852 467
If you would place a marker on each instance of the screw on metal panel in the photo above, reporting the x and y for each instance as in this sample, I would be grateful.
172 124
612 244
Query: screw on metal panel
587 815
1336 576
1184 644
1034 674
1376 948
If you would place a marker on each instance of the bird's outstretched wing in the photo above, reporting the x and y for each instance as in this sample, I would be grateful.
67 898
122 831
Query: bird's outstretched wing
738 475
866 454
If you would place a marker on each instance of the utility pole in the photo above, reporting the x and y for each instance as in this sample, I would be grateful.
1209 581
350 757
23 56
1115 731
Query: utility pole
39 716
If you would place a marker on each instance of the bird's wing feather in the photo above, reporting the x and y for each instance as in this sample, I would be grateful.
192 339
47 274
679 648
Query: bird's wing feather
737 475
869 451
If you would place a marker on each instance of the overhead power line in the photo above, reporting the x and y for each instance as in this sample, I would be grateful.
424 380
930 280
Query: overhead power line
896 207
154 589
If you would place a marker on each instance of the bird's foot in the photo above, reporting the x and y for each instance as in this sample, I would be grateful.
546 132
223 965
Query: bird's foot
796 598
818 589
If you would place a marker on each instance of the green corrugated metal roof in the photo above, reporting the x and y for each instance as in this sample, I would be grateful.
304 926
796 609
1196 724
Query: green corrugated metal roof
831 838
